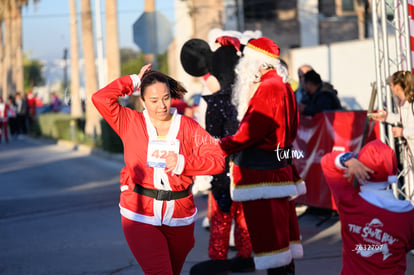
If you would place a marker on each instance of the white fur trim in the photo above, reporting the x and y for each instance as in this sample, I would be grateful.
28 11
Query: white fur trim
254 192
296 250
183 221
301 188
273 260
180 165
139 217
130 215
136 83
392 179
385 199
338 161
124 187
161 177
264 58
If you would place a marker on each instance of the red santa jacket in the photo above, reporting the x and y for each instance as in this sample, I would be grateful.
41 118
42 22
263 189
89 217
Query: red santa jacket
4 112
200 152
377 229
269 128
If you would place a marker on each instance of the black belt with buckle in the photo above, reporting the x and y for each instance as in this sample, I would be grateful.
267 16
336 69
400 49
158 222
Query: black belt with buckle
161 195
253 158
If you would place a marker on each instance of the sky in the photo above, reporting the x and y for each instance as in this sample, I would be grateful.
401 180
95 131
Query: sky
46 29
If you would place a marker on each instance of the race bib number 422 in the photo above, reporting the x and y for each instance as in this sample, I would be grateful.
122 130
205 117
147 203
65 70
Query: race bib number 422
158 150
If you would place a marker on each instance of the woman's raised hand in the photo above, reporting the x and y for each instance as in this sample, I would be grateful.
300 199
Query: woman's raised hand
144 69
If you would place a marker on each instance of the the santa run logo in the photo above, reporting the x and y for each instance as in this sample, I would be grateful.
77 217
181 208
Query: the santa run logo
376 240
283 153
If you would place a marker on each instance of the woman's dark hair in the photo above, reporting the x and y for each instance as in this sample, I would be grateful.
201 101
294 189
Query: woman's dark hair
152 77
405 80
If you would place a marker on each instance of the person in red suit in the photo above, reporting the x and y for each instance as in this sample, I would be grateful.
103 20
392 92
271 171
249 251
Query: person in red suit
220 121
5 110
262 174
377 228
163 151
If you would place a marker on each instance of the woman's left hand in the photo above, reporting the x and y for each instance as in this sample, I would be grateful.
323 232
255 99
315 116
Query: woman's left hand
171 161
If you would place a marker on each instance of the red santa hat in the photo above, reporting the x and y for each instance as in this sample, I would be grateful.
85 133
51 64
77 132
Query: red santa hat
264 49
379 157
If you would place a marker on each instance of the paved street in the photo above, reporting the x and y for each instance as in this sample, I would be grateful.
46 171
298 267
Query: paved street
59 215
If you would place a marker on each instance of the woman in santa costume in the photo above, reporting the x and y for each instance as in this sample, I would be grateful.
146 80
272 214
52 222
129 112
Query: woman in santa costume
377 229
163 151
263 177
5 110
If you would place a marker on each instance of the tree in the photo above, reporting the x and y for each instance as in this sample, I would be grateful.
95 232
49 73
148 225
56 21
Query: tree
112 43
76 106
33 73
92 123
11 62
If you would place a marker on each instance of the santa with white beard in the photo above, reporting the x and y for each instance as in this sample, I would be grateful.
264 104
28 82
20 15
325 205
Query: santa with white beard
263 178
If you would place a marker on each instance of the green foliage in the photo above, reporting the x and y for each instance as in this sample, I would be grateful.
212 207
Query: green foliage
163 62
132 61
61 126
32 73
110 140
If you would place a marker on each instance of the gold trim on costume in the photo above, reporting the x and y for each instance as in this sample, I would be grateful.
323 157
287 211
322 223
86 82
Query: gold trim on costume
249 45
273 252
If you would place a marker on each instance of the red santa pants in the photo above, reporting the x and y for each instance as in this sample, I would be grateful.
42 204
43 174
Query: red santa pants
159 249
273 226
220 226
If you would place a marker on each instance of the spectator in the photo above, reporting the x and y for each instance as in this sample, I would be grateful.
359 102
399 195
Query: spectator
402 86
31 102
12 117
182 107
55 103
300 93
319 97
377 229
22 110
5 112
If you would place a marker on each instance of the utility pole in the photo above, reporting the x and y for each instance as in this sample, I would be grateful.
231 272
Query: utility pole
151 57
99 46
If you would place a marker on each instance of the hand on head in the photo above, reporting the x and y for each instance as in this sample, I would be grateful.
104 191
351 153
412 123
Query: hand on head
357 169
144 69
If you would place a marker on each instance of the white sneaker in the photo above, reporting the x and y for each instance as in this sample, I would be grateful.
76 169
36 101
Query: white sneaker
205 223
231 240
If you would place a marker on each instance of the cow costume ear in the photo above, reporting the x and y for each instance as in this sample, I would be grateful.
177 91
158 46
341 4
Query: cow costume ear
195 57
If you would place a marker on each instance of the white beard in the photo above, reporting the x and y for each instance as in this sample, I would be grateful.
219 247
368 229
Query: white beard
247 74
248 78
